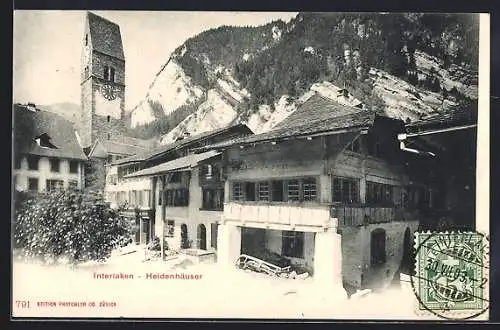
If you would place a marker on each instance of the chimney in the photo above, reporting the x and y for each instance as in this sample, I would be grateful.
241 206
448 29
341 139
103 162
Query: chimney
31 107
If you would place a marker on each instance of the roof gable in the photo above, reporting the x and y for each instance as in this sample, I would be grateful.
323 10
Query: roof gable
105 36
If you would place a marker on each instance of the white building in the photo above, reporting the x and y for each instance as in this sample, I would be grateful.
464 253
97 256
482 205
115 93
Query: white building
47 154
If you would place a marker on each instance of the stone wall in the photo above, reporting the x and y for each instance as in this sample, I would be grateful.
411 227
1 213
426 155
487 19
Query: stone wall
356 252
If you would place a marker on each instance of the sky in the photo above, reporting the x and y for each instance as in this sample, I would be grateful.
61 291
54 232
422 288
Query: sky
47 47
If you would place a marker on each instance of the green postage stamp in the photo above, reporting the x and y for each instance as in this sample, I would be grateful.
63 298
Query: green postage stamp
451 278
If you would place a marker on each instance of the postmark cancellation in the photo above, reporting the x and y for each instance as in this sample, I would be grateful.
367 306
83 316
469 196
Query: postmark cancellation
451 277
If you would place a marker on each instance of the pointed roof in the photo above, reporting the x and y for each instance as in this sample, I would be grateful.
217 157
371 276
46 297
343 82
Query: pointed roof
105 36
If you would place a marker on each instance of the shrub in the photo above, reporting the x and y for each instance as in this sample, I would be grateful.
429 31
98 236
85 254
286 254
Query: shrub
75 225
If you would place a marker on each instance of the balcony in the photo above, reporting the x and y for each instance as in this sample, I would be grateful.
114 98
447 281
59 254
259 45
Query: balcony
283 216
360 215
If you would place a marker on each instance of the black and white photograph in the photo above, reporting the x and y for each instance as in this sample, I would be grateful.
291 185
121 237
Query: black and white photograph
250 165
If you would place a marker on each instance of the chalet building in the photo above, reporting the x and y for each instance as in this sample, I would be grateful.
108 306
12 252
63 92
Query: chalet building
171 192
326 188
47 155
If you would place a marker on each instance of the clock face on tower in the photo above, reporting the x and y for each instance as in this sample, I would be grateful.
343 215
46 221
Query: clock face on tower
109 92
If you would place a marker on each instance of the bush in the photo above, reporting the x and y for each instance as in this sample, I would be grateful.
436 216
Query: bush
75 225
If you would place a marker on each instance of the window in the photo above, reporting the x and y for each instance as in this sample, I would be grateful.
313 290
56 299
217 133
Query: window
237 191
377 244
33 162
277 191
293 190
250 191
263 191
309 188
73 184
213 199
213 235
54 185
176 177
109 136
293 244
33 184
373 145
73 166
44 141
355 146
86 40
108 118
109 159
170 228
109 73
86 71
177 197
112 74
54 164
377 193
345 190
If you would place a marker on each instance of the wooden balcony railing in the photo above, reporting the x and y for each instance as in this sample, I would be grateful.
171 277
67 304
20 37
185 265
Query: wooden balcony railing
359 215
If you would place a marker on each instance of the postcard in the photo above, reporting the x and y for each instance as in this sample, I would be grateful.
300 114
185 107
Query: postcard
250 165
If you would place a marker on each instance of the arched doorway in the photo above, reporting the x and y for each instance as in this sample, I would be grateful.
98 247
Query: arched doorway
407 262
184 236
201 237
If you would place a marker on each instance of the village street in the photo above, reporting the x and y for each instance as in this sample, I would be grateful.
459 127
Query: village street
219 293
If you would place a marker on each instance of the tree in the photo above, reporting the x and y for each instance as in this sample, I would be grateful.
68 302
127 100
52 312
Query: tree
75 225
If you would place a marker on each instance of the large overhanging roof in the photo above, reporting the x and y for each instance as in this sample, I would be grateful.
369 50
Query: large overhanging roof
177 165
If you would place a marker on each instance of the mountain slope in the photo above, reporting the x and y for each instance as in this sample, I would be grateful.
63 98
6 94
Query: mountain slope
68 110
404 65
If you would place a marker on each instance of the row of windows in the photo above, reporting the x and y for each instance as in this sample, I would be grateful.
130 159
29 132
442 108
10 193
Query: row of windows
174 197
51 184
55 164
304 189
132 197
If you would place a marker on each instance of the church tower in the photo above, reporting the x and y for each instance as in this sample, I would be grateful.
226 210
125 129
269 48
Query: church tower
102 81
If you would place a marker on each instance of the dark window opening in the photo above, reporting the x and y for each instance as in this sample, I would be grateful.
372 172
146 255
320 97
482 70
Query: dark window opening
73 166
277 191
54 165
176 177
106 73
292 244
170 228
33 162
377 244
213 235
108 118
355 146
250 191
177 197
213 199
112 74
345 190
33 184
377 193
86 40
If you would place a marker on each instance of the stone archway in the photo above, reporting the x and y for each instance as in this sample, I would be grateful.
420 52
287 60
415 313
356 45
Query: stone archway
184 237
201 237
